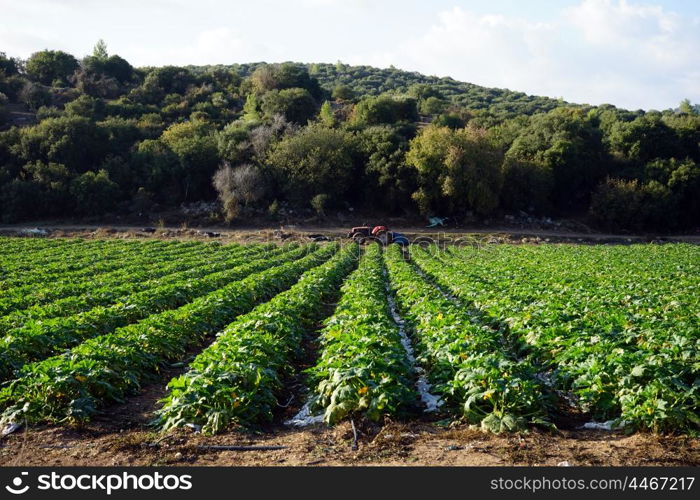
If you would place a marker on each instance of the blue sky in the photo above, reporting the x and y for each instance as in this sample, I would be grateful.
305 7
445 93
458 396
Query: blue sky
631 53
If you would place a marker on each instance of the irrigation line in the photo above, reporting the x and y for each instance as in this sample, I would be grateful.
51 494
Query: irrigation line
354 435
431 401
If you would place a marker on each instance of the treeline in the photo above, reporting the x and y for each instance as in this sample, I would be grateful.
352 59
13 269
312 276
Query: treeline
111 138
357 81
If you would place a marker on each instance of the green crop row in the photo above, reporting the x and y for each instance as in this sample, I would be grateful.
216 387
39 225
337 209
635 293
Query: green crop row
74 386
39 339
86 262
467 362
73 257
13 248
19 298
128 281
23 257
363 369
239 377
615 327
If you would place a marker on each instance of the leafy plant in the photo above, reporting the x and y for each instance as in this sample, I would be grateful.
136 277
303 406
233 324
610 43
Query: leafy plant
614 327
363 368
465 359
74 386
239 377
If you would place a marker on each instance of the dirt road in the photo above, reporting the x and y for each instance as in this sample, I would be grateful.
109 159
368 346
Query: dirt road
300 230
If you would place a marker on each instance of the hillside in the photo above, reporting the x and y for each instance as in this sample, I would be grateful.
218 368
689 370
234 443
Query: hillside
370 81
98 137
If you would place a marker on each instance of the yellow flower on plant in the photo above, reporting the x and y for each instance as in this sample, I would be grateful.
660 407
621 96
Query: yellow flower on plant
488 395
363 390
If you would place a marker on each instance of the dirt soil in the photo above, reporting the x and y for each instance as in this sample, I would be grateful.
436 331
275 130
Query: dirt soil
121 436
393 443
296 232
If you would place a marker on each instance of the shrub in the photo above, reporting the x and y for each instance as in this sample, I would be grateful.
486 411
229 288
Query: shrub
94 193
238 187
631 205
319 203
35 96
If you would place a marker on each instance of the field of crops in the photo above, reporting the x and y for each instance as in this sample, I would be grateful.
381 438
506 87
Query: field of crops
506 338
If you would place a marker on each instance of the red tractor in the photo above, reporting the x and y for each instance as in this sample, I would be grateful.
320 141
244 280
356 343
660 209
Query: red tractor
379 234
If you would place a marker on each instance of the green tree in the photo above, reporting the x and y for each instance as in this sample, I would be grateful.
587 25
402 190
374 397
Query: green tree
527 186
233 141
566 143
343 93
643 139
264 78
432 106
53 179
160 171
295 104
8 65
101 75
73 141
388 180
631 205
94 193
18 200
99 70
86 106
267 77
160 82
423 91
40 190
251 109
450 120
457 170
326 116
291 75
384 109
319 203
51 66
686 127
684 183
99 52
682 178
195 145
687 107
317 160
121 134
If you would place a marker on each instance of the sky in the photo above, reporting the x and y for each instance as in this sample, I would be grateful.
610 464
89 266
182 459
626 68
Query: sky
630 53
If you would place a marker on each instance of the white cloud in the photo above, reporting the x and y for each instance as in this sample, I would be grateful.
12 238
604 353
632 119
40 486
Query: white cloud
604 22
626 52
15 42
214 46
597 51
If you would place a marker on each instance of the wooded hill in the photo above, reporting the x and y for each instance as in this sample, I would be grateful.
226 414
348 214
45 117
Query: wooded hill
98 136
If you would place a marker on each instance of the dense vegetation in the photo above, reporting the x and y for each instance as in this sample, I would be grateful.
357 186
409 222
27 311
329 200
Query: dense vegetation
531 336
264 138
611 329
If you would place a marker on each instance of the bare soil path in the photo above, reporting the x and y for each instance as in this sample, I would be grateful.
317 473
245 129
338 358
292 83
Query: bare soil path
394 443
503 234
